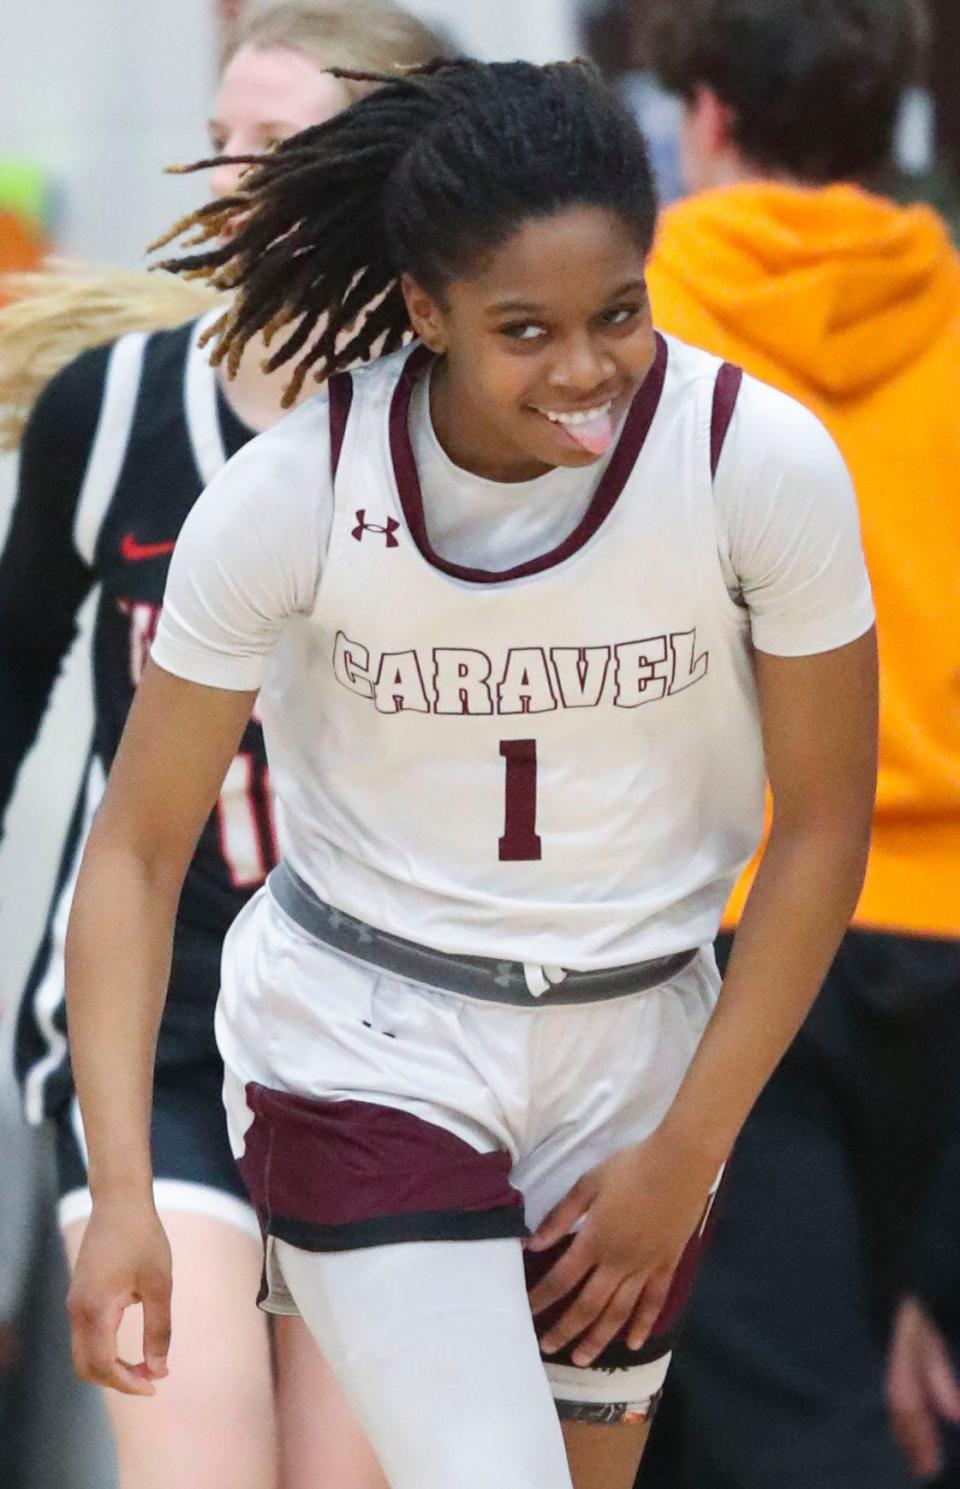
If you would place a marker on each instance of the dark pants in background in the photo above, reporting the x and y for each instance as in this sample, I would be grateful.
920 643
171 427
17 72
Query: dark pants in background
777 1382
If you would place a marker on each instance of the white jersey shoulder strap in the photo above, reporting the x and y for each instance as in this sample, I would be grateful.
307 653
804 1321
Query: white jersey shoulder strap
200 402
110 442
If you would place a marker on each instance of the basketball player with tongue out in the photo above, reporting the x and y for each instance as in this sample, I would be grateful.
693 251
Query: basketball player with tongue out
525 649
589 429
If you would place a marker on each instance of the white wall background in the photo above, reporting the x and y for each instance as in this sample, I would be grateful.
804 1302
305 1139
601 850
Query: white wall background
539 30
104 94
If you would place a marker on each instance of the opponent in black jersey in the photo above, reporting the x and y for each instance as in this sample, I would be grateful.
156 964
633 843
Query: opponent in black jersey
118 448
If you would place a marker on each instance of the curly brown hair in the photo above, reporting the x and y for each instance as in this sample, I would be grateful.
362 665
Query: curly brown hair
814 85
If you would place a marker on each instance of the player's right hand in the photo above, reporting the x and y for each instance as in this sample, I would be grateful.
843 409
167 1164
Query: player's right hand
124 1259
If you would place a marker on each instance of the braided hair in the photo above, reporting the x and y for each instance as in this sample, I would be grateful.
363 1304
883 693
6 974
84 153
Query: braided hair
425 175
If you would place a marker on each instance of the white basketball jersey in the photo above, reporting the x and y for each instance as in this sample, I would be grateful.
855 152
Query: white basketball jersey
558 764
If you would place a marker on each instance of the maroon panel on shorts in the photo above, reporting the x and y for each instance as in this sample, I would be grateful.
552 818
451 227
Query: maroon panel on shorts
337 1175
617 1355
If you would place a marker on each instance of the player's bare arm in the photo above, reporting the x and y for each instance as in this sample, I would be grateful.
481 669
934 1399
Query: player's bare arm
819 718
177 745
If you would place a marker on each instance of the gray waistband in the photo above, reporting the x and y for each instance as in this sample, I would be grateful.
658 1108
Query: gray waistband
474 976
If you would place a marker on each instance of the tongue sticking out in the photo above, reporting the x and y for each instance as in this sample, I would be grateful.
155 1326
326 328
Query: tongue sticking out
595 435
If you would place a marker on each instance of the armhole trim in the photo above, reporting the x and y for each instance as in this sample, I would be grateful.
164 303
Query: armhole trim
725 391
340 390
120 392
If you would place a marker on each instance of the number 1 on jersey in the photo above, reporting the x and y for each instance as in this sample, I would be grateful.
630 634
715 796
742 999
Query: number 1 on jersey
520 840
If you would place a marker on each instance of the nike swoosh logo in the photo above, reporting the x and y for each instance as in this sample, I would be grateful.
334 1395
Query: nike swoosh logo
135 552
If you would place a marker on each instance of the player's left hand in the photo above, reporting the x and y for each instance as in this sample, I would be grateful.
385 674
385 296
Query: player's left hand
639 1210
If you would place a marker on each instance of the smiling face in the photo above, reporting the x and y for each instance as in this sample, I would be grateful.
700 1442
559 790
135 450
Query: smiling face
267 94
544 345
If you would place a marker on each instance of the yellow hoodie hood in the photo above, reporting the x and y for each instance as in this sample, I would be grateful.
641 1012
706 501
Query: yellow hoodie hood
840 289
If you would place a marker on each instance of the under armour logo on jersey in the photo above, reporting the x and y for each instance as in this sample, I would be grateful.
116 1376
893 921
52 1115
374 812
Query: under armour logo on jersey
388 530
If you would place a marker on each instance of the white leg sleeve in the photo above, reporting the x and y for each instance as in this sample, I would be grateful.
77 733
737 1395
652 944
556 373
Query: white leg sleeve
434 1345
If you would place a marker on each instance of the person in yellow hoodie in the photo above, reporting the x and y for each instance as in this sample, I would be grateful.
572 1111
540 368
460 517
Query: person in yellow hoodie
784 261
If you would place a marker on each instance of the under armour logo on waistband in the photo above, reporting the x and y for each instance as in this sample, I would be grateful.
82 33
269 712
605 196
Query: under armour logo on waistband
540 979
388 530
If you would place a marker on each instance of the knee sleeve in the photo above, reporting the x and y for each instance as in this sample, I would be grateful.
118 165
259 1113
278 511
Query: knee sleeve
620 1386
434 1346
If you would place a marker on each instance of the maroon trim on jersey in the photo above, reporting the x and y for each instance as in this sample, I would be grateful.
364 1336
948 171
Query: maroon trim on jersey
617 1355
340 390
611 484
725 391
335 1175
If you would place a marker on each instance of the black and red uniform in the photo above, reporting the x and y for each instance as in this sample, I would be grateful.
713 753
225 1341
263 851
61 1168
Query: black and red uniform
117 450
